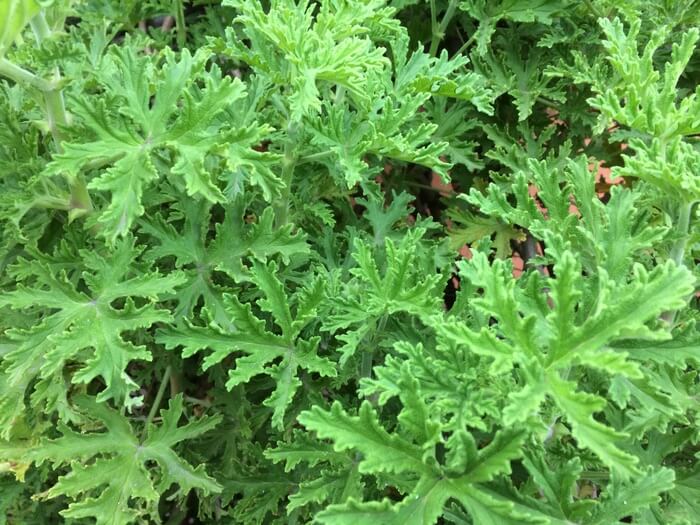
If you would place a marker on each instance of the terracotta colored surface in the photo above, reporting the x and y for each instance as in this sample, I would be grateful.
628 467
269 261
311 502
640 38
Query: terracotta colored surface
603 178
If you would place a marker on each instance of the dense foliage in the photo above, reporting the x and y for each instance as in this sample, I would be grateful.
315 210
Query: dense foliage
349 261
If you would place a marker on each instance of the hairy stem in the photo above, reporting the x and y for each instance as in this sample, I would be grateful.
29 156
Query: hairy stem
439 30
22 76
366 364
53 97
56 116
195 401
678 249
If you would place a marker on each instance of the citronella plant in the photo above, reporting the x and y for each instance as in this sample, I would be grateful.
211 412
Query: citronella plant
349 262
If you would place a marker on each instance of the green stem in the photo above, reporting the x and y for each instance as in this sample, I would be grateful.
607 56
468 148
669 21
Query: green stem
57 117
430 188
678 248
677 254
53 97
22 76
175 382
56 113
180 24
282 208
548 102
439 31
289 162
593 475
433 19
158 399
40 27
467 44
314 157
366 364
368 355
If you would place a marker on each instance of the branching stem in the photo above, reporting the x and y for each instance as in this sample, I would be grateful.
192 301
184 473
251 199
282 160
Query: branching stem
438 31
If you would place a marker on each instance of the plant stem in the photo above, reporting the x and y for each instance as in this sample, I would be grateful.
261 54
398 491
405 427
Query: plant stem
22 76
180 24
594 475
430 188
439 31
366 364
678 249
40 27
158 399
433 19
314 157
175 382
530 252
80 202
368 355
53 97
467 44
201 402
289 162
282 208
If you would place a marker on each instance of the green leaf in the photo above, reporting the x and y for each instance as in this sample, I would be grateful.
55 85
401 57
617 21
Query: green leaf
630 499
15 15
525 11
354 512
303 449
130 141
469 229
84 326
381 451
184 236
303 52
400 287
580 408
260 346
568 333
119 467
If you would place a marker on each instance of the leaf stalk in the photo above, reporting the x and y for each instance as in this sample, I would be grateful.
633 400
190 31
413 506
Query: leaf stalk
164 382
